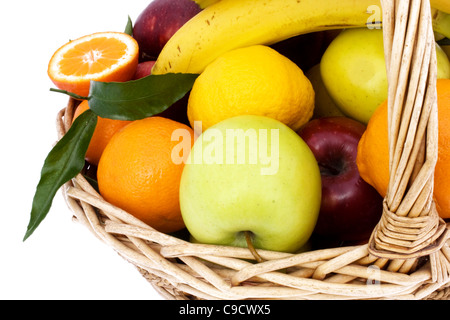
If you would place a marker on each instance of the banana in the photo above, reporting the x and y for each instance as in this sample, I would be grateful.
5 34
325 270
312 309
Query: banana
205 3
224 25
230 24
441 5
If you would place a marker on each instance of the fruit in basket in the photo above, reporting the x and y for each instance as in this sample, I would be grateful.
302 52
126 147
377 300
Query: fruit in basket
206 3
103 56
324 106
159 21
373 151
138 174
143 69
254 80
441 23
442 5
350 207
229 24
251 175
103 133
354 71
443 63
304 50
446 49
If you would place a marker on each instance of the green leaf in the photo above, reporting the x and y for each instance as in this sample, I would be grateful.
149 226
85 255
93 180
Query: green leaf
63 163
138 99
129 27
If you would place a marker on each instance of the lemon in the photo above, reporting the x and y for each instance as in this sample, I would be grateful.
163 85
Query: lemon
255 80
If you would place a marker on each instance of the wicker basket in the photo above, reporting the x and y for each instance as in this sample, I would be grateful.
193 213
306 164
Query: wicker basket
408 254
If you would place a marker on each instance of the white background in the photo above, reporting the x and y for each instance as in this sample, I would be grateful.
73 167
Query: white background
61 260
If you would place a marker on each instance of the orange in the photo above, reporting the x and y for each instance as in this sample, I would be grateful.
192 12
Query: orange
104 131
140 171
373 156
103 56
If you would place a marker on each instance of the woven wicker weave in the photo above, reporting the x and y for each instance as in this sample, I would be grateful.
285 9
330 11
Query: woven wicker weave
408 255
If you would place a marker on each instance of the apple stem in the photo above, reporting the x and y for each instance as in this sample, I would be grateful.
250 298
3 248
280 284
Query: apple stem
250 246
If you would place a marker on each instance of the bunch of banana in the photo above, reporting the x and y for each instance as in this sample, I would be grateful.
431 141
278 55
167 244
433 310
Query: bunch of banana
441 5
224 25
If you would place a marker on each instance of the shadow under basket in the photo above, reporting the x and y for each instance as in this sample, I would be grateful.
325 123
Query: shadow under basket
407 256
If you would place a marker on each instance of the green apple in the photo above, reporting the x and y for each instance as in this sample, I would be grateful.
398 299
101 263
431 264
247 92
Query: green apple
324 106
443 63
354 71
251 175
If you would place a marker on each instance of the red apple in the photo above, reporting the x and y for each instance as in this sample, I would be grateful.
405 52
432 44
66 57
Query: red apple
143 69
350 207
158 23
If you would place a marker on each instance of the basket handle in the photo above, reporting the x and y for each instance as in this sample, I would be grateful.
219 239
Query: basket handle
410 226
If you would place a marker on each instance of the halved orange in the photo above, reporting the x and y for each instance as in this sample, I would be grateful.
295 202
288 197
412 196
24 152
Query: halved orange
103 56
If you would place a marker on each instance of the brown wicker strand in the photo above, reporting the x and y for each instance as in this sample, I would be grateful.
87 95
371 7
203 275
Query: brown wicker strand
410 226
